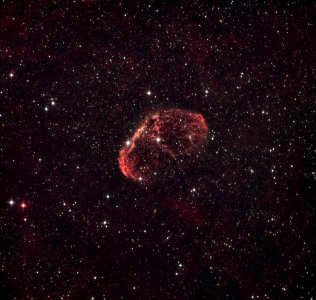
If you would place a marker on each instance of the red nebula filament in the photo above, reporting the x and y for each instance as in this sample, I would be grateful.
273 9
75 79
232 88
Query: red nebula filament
166 141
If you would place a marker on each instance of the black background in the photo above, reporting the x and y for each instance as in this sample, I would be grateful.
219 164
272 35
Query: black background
74 85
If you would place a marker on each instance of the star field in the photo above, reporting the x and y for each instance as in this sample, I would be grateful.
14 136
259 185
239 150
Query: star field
77 78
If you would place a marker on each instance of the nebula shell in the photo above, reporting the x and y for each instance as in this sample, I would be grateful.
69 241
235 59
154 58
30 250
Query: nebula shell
165 143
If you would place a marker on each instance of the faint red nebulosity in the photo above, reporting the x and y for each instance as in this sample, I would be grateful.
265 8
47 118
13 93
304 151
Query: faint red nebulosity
186 211
165 142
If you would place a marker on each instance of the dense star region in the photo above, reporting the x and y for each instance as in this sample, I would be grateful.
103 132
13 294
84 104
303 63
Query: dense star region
157 150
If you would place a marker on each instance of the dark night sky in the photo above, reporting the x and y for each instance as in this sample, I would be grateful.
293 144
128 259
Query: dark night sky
76 80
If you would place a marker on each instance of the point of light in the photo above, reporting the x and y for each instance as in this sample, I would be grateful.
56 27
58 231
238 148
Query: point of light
11 202
128 143
11 75
23 205
158 139
148 93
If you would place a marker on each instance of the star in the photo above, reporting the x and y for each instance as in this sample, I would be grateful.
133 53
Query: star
157 151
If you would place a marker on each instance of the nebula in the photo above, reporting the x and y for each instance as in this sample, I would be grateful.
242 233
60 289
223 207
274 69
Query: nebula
165 143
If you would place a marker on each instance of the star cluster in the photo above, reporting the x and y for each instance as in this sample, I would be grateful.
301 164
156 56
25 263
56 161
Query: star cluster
78 77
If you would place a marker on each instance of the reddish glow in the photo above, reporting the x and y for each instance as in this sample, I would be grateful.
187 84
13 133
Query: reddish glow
167 135
126 164
187 211
23 205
